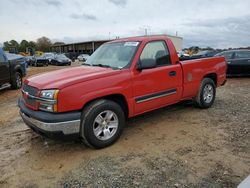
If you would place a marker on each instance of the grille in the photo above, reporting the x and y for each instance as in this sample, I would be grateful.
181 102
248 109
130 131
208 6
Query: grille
31 91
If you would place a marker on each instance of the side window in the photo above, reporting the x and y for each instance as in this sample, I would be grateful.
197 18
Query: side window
158 51
242 54
2 58
228 55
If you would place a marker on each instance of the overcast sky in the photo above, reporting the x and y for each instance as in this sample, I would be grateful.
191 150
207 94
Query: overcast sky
215 23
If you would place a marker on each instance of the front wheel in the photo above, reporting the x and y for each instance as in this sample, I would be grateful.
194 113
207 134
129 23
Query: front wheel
102 123
206 94
16 81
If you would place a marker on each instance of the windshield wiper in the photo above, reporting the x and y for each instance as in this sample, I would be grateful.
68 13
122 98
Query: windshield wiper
86 64
101 65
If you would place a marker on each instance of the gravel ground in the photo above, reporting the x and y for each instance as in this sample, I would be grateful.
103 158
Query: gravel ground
177 146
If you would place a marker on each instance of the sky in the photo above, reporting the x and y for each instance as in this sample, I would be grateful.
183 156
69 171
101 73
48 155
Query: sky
213 23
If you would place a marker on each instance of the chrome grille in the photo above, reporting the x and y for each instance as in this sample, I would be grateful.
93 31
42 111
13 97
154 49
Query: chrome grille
31 91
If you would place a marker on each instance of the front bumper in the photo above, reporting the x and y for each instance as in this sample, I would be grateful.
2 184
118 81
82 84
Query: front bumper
53 125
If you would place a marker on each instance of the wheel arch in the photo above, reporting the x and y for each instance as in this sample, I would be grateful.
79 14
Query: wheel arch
212 76
18 69
118 98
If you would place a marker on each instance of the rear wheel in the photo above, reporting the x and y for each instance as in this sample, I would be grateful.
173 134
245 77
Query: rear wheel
207 93
102 123
16 81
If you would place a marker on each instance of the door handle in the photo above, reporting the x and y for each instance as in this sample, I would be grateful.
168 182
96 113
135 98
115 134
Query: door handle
172 73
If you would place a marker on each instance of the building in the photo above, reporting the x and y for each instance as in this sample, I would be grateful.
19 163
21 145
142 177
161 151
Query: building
88 47
178 42
79 48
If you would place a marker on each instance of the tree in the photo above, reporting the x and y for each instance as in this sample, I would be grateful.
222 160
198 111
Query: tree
32 44
43 44
14 43
11 46
23 46
6 46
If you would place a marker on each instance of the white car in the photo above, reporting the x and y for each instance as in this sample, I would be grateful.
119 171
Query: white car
83 57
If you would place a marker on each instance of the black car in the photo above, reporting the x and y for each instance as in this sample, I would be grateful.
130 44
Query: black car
49 56
238 62
204 54
61 59
40 61
12 70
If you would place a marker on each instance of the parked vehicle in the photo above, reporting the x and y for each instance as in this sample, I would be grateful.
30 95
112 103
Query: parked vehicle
20 58
40 61
71 55
61 59
183 56
83 57
30 60
204 54
238 62
121 79
49 56
12 70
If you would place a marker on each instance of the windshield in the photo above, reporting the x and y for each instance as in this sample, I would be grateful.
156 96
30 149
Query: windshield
114 55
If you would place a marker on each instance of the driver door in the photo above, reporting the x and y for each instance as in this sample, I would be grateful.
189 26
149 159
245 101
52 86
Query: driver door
159 86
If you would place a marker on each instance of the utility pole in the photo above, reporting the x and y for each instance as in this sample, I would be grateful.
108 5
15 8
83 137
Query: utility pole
145 28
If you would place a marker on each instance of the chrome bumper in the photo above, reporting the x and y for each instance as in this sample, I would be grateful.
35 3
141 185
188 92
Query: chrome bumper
66 127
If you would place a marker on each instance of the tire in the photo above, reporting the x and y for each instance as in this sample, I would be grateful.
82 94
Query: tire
94 119
16 82
206 94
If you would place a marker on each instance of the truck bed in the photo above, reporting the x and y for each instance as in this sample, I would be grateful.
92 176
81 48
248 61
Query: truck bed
194 71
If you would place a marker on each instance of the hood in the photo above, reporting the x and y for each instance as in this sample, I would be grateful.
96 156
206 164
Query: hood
69 76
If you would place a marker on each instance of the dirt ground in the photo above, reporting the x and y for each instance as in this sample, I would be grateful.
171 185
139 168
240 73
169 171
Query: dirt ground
177 146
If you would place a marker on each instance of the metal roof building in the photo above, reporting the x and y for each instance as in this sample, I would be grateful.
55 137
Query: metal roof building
89 47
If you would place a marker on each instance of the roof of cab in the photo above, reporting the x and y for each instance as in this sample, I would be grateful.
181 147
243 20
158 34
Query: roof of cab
141 38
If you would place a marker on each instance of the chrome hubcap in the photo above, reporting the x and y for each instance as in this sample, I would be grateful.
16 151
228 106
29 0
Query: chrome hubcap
208 93
105 125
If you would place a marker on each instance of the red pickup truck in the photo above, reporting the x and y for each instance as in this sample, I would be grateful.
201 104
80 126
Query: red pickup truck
123 78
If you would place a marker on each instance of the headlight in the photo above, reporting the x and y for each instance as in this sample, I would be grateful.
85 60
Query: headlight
48 100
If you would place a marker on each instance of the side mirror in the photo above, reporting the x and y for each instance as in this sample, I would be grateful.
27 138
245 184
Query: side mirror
146 64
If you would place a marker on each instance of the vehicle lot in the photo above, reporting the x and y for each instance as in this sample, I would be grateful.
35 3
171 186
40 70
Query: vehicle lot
179 146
